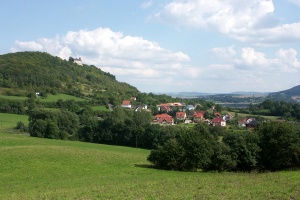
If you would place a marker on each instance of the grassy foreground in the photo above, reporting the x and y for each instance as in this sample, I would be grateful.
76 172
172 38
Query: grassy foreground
34 168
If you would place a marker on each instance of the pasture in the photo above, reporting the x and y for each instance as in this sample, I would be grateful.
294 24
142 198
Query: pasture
64 97
35 168
9 121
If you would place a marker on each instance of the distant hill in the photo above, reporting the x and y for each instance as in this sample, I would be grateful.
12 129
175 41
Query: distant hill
22 73
292 94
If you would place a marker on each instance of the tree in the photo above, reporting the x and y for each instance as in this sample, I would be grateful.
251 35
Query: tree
244 149
191 151
169 156
198 146
280 146
221 160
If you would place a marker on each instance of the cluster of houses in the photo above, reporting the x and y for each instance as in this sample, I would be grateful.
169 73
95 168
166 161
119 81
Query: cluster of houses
195 116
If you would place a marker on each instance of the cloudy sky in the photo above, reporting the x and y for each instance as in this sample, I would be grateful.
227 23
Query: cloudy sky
166 45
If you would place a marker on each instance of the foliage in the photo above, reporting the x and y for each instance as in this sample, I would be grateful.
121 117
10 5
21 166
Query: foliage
46 74
190 151
280 146
53 124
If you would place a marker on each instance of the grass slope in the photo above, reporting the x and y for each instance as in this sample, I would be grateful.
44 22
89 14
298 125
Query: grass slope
35 168
9 121
64 97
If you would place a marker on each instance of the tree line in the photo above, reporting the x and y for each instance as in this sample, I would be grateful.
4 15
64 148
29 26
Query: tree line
271 146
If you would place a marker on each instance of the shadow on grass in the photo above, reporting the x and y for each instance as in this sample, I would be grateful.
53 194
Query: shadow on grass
149 166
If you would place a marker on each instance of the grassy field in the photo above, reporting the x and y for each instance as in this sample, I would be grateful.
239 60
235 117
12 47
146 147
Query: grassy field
34 168
64 97
9 121
247 115
100 108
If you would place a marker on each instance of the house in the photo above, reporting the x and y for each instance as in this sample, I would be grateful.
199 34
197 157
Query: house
163 119
251 124
141 107
181 116
218 121
199 116
217 114
242 122
78 61
164 107
133 98
228 117
126 104
177 106
190 107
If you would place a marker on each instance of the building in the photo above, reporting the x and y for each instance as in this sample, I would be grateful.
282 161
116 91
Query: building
78 61
180 116
199 116
163 119
126 104
218 121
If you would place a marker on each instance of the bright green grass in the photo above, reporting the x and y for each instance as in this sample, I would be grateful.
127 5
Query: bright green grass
9 121
247 115
13 97
64 97
100 108
34 168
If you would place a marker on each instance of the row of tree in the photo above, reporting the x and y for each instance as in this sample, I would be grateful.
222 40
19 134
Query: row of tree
272 146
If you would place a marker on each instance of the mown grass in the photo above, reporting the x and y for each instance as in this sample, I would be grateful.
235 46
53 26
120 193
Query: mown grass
64 97
9 121
265 116
100 108
34 168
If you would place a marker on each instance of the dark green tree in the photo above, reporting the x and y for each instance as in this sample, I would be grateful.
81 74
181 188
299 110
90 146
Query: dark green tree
280 146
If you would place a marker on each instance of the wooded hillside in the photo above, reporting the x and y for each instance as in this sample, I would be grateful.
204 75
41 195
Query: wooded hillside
26 72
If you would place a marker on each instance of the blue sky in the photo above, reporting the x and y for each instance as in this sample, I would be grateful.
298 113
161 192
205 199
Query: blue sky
166 45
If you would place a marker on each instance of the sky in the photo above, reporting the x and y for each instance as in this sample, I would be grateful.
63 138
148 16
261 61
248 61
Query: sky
161 46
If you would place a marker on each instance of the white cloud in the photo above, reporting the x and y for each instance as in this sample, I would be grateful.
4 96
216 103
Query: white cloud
30 46
129 58
247 21
297 2
146 4
248 58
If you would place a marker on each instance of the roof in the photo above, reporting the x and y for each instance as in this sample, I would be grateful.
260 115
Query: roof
217 114
199 114
126 102
218 120
163 118
168 120
180 114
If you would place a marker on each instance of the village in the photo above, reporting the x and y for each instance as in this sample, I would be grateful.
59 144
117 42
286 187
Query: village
180 113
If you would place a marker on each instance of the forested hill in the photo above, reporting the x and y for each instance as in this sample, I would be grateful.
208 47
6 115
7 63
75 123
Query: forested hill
292 94
25 72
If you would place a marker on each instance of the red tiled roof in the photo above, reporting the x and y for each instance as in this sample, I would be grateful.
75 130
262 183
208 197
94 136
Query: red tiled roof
217 120
199 114
180 114
163 117
126 102
217 114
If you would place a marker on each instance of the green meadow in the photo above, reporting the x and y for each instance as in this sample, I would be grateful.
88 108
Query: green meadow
36 168
13 97
64 97
9 121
